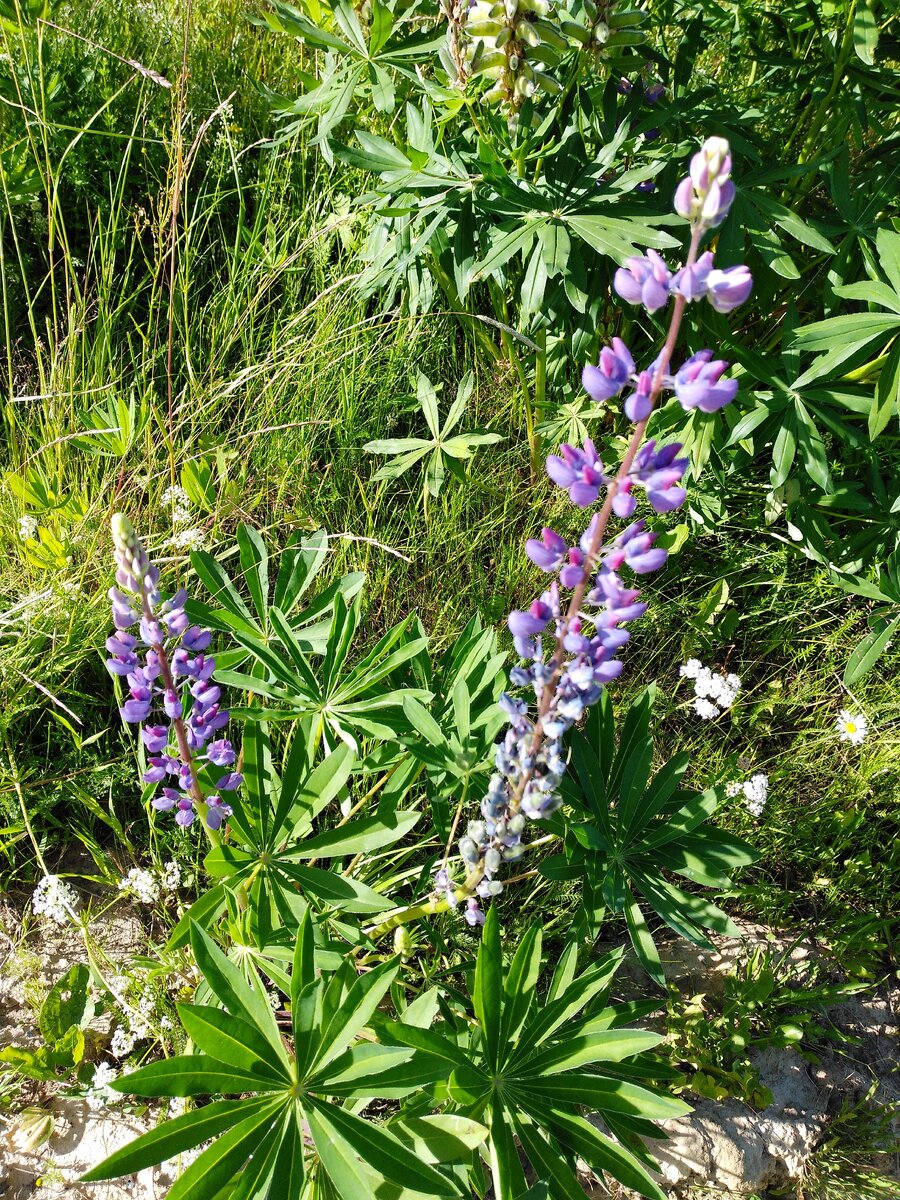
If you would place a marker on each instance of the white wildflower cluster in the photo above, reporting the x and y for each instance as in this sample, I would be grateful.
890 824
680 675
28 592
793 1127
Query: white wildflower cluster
177 500
100 1092
28 527
713 693
755 792
121 1042
148 886
852 727
188 539
54 899
137 1028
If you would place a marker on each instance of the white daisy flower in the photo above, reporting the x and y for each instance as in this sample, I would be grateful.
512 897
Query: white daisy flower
852 727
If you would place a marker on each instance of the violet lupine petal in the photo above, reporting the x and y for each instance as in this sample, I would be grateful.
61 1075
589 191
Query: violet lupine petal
231 782
196 639
692 281
624 503
221 753
611 374
549 552
185 815
729 288
639 406
155 737
645 279
136 709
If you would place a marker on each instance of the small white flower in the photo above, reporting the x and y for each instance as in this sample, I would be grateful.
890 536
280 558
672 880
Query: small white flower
100 1092
28 527
756 792
175 497
54 899
170 880
852 727
140 884
733 789
121 1043
188 539
705 709
691 668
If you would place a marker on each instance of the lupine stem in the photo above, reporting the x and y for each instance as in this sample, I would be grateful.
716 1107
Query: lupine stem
468 888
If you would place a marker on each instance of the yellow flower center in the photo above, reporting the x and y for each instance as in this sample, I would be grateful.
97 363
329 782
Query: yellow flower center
850 727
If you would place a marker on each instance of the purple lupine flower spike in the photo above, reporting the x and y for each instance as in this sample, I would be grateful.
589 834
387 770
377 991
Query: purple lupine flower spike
570 656
166 654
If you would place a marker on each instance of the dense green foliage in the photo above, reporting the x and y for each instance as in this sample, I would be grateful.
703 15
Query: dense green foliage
282 260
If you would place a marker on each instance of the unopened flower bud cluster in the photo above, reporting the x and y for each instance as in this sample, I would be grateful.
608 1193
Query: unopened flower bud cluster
713 693
518 44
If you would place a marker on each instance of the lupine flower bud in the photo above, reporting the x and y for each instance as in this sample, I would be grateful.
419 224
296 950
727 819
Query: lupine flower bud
706 194
610 376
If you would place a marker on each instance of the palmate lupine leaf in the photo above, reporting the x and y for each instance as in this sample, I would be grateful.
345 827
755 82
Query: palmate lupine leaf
446 451
259 1145
299 563
637 831
530 1068
273 834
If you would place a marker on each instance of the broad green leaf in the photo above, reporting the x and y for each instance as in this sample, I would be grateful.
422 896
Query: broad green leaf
865 31
227 1155
240 998
611 1095
67 1004
356 837
611 1046
643 943
439 1137
519 984
864 656
357 1009
487 994
196 1075
603 1154
175 1135
346 1142
506 1170
229 1039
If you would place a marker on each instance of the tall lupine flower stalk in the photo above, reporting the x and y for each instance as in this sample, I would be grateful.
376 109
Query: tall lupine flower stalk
171 693
588 631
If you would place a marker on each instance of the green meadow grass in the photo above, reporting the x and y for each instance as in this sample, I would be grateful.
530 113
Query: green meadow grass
251 350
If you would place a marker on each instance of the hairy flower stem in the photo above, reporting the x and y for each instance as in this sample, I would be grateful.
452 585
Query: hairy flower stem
476 874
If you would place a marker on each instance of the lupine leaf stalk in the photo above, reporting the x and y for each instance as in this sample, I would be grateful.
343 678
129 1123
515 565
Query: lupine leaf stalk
530 759
166 667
